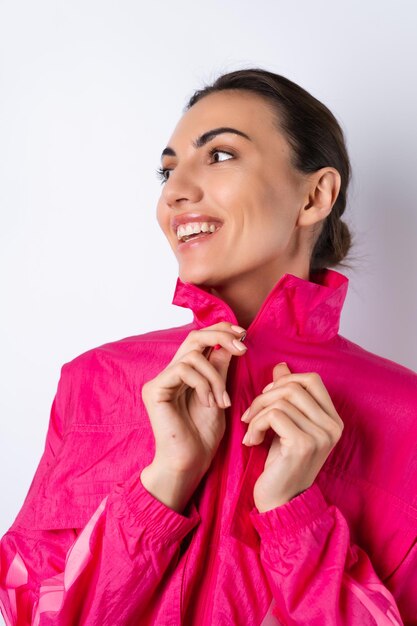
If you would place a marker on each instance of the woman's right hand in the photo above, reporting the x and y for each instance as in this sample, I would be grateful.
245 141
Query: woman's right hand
186 406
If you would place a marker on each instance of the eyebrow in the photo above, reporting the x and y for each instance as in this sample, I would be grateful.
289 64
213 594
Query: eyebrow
206 137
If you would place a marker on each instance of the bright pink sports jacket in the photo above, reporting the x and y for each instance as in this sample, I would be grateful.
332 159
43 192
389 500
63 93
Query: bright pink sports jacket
91 546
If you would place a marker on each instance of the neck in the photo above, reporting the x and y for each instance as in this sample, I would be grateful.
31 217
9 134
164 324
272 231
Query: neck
245 294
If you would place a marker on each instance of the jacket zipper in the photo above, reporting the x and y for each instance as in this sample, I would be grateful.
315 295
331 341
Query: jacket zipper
211 560
224 476
216 532
216 528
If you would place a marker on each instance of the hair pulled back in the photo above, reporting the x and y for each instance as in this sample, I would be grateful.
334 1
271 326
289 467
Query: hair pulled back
316 140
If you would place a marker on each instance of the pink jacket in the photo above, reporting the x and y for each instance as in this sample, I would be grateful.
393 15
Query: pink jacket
91 546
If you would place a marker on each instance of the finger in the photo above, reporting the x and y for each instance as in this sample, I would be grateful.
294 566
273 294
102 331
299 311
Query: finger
291 436
209 337
299 397
313 384
323 438
172 381
206 369
280 369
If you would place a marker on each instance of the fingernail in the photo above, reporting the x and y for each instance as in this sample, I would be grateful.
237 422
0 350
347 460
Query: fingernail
245 415
211 399
238 329
246 439
268 387
226 399
239 345
217 346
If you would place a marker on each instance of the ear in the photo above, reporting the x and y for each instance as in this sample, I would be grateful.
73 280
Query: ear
323 189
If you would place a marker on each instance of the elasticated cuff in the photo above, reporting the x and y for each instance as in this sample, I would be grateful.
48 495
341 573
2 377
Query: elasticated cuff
292 516
160 523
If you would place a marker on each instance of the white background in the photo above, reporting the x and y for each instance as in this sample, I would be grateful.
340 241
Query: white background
90 92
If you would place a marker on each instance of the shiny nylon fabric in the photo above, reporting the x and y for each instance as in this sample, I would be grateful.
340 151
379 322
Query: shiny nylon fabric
91 546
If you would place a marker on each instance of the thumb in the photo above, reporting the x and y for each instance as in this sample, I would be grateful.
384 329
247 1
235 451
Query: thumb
280 370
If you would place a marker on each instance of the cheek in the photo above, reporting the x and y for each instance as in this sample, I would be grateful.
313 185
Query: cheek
270 217
279 205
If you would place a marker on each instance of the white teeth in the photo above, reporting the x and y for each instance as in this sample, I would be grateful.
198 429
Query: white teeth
193 228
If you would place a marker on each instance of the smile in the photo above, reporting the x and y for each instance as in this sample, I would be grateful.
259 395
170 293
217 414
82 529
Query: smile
196 239
184 231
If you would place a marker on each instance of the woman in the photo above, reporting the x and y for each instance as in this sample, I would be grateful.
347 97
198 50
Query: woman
147 507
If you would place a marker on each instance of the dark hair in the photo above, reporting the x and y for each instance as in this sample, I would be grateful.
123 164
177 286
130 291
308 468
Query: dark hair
316 139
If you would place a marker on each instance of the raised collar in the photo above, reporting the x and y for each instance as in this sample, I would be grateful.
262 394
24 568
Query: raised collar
307 309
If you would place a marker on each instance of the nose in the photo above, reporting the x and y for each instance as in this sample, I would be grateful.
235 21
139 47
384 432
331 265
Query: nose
181 186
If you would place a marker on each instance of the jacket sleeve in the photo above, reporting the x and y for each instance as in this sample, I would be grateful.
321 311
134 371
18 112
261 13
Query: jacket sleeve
316 575
102 574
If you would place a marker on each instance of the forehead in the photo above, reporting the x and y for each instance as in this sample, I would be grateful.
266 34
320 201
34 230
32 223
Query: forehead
238 109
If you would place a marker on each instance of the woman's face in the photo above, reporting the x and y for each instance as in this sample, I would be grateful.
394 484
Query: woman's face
246 187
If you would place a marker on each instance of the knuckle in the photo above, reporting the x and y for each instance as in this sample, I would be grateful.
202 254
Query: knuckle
293 385
220 325
276 413
326 440
315 377
192 334
307 445
289 389
334 430
281 404
182 367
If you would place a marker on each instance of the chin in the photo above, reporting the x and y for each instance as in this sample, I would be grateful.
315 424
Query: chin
197 276
194 276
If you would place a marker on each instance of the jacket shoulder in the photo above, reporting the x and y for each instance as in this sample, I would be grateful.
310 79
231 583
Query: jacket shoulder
128 349
377 368
103 384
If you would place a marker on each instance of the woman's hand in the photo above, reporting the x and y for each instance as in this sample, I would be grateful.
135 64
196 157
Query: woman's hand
307 426
186 406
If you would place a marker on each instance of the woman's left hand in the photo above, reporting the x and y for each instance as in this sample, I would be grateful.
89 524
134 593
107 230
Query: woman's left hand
307 426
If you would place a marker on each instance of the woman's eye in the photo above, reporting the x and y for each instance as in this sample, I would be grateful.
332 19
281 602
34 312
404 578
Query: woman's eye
215 151
162 172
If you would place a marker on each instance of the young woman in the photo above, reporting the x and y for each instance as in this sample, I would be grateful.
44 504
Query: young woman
253 466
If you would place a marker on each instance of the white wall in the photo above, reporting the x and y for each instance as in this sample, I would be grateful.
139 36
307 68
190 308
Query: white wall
90 92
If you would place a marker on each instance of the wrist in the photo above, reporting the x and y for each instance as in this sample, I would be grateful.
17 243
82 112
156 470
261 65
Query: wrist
174 489
264 505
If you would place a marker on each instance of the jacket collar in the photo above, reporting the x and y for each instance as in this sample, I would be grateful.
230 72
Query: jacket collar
308 309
